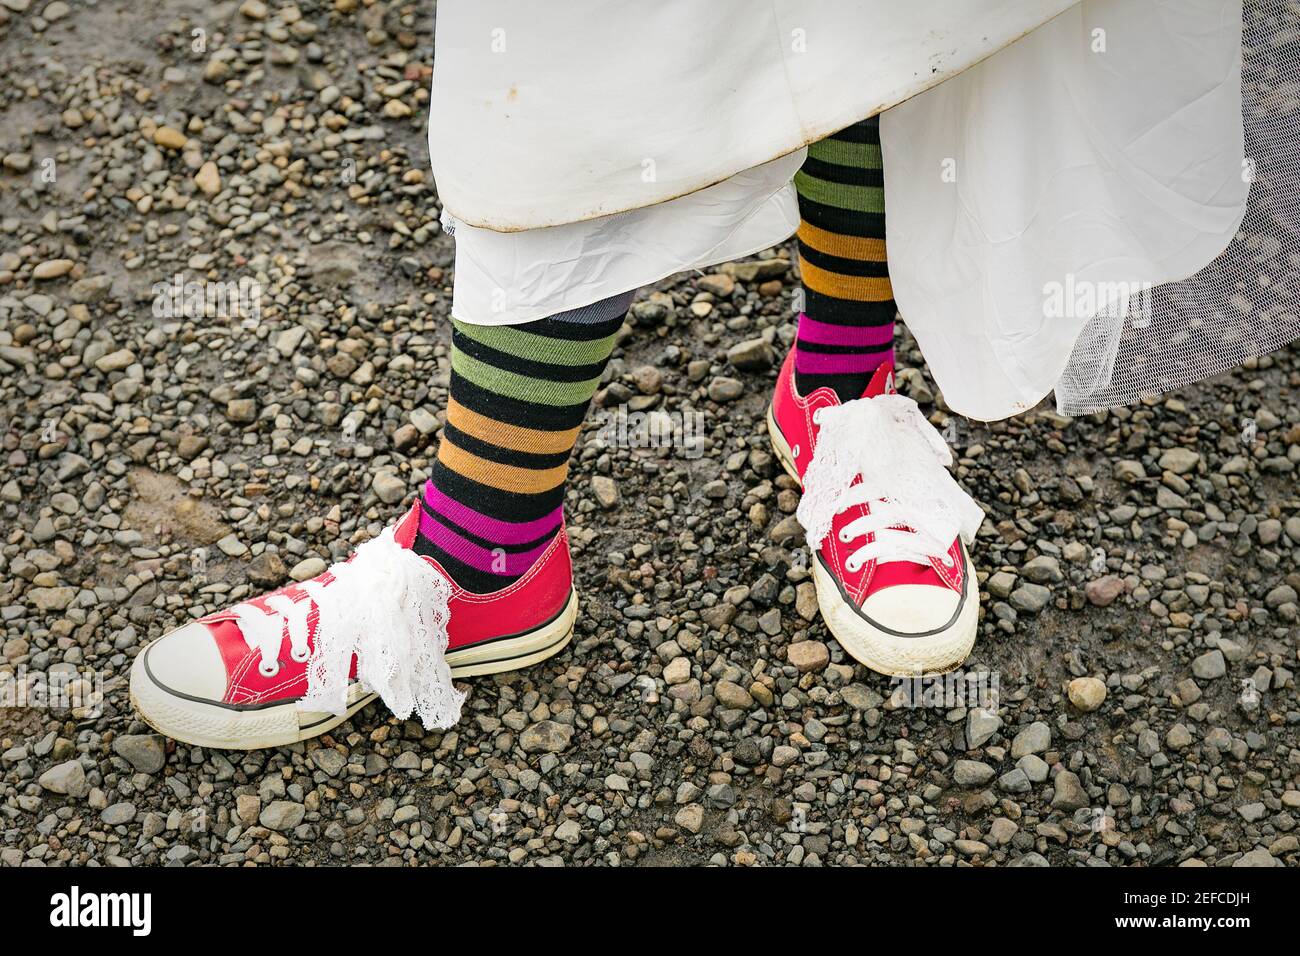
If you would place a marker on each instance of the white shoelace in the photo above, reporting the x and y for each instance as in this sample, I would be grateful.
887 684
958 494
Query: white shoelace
389 608
916 507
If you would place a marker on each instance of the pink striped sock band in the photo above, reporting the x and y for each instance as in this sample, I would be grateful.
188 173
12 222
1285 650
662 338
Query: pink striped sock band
820 363
857 336
488 528
505 563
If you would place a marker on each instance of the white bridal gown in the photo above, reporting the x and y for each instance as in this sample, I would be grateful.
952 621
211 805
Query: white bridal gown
1097 198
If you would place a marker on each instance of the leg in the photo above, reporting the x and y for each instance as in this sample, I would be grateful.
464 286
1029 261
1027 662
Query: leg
475 578
887 523
519 394
846 330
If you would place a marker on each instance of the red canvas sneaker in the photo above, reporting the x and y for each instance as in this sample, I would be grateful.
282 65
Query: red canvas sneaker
887 524
386 623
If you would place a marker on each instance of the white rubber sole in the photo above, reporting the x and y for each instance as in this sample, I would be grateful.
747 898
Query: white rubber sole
895 655
886 652
206 724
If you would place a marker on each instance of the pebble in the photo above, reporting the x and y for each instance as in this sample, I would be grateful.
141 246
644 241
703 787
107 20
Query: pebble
1103 591
1030 598
1015 781
389 487
1034 739
1034 767
307 568
1000 584
1210 665
248 806
1043 569
546 736
981 725
282 815
1180 461
606 491
170 138
569 832
231 546
118 814
266 569
808 656
1070 794
1256 858
972 773
1086 693
241 410
425 422
690 818
146 753
732 695
678 671
53 269
208 179
1178 737
115 361
751 355
68 778
1001 831
723 389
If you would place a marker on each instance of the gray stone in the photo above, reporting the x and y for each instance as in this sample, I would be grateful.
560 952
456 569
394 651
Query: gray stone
1043 569
67 778
569 832
690 818
605 490
1180 461
282 815
307 568
1258 857
389 487
329 761
546 736
1030 598
1035 767
1034 739
1015 781
118 814
981 725
750 355
972 773
1210 665
1069 794
146 753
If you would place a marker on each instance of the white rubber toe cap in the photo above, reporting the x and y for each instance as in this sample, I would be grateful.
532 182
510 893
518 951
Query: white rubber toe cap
913 608
187 662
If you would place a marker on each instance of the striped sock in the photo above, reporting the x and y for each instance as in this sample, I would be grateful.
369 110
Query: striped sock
519 394
846 330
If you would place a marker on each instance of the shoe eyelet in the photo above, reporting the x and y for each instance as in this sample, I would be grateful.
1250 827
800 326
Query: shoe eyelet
852 566
844 537
817 416
300 658
795 451
268 671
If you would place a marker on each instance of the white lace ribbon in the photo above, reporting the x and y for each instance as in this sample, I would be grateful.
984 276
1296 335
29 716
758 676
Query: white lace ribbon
903 465
388 607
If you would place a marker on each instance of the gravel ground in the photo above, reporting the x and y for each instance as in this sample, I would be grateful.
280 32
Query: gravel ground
1140 567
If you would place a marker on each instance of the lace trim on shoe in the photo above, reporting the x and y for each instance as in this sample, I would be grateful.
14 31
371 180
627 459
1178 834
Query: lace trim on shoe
883 453
385 605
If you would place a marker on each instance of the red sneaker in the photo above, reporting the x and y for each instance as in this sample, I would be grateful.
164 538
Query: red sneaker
299 661
886 521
